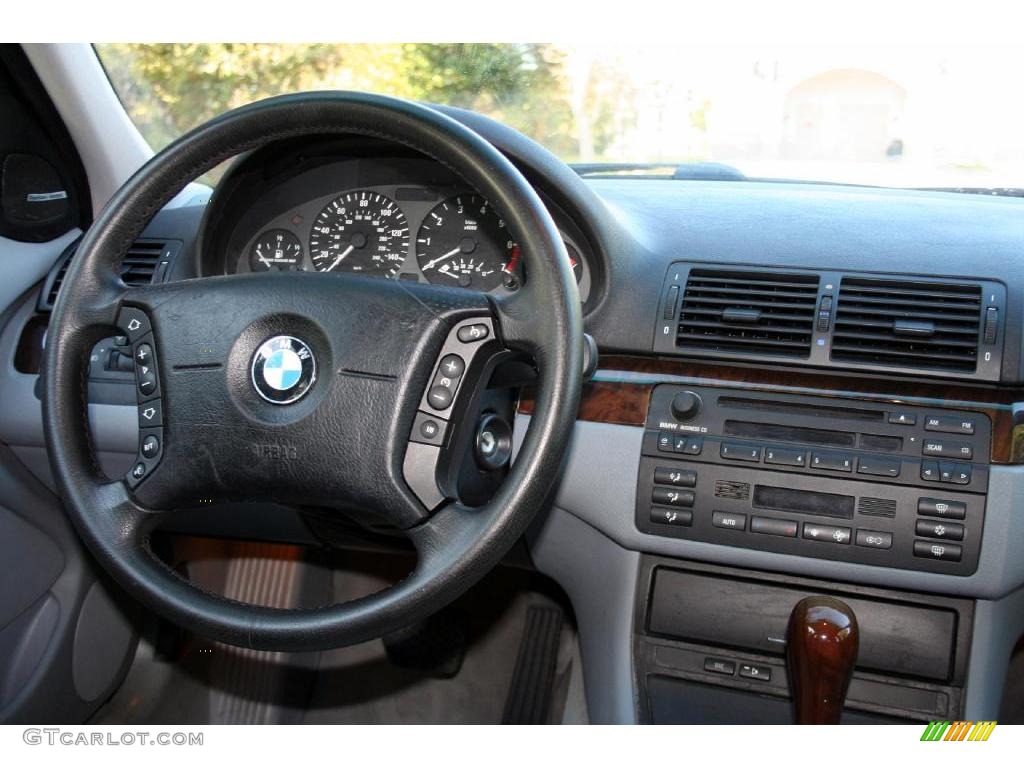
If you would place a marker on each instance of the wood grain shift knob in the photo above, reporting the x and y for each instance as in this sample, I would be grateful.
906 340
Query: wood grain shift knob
821 651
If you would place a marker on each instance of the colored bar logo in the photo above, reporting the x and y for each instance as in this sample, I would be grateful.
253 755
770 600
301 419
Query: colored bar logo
958 731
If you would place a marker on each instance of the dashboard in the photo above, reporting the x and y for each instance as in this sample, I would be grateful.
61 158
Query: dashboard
390 218
800 387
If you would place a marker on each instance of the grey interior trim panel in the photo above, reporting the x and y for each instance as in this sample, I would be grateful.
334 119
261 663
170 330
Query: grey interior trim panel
600 579
998 624
599 487
25 264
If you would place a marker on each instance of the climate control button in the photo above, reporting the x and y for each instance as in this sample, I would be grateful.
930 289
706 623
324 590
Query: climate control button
939 529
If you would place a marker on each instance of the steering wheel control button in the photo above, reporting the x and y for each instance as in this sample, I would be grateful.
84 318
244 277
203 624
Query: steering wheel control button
143 354
138 471
146 375
468 334
151 414
440 398
283 370
428 429
452 367
493 443
150 446
134 323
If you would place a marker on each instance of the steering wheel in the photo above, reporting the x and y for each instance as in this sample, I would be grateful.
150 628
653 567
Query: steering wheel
308 388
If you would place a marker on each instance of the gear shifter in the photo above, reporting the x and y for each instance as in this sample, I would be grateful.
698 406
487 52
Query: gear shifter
821 651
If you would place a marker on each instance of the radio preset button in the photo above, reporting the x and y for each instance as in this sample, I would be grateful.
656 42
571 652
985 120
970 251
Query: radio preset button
878 466
683 478
773 526
950 510
874 539
836 535
740 452
736 522
939 529
786 457
681 517
835 462
933 551
672 498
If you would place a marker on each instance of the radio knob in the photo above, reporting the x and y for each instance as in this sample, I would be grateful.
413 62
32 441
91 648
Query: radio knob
685 406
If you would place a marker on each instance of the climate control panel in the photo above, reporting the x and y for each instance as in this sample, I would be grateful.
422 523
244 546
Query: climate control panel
898 486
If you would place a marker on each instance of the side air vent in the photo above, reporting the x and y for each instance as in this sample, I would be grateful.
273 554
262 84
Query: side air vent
746 312
908 324
147 261
140 263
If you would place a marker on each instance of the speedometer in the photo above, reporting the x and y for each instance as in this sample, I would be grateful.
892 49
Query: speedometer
361 231
464 242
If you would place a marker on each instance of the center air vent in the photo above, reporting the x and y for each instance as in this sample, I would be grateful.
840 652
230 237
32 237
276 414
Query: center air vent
908 324
748 313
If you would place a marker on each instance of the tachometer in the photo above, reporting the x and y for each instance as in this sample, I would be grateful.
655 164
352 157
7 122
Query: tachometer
361 231
463 242
276 249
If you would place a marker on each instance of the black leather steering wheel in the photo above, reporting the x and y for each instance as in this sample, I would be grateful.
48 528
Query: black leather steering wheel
376 345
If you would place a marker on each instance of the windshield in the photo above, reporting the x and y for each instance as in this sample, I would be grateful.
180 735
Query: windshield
907 118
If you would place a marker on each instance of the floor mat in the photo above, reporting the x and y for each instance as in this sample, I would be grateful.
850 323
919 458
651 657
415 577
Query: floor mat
529 700
212 683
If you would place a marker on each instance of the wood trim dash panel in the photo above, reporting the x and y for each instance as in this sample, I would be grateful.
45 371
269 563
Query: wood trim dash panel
620 393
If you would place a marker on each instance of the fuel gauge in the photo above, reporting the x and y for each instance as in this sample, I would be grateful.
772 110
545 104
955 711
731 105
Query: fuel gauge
276 250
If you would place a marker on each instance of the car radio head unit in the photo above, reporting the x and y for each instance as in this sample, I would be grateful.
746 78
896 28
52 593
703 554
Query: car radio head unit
901 486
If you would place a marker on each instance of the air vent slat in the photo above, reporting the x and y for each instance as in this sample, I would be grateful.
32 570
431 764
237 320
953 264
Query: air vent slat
741 312
967 329
867 311
138 267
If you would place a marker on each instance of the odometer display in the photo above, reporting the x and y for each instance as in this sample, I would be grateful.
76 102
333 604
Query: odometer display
361 231
463 242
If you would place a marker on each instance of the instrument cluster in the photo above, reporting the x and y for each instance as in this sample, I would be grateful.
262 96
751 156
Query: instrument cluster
428 233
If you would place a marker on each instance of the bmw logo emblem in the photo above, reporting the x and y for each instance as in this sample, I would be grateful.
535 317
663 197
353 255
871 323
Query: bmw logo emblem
283 370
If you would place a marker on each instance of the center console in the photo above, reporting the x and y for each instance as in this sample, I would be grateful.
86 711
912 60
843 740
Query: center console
899 486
